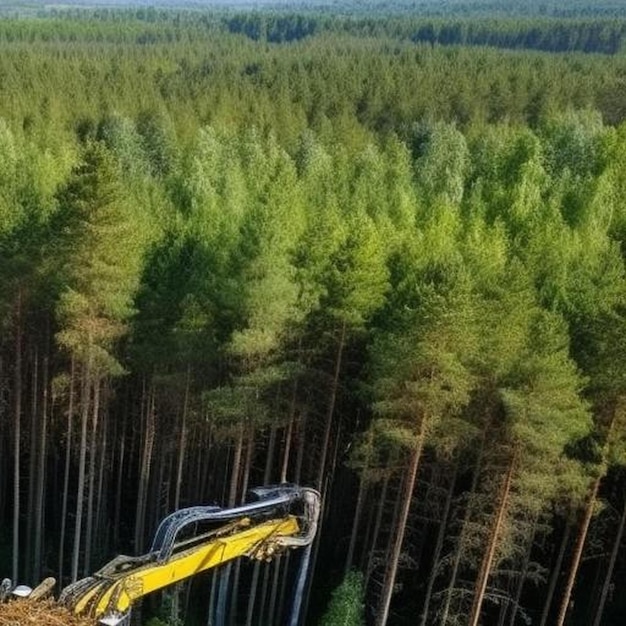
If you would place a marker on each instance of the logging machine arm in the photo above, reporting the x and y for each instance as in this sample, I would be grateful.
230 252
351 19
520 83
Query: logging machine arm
194 540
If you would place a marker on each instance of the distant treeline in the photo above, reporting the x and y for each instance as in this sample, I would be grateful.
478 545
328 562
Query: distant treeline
428 8
551 35
58 71
151 25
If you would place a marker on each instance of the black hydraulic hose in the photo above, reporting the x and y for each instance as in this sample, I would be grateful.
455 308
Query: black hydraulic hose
270 499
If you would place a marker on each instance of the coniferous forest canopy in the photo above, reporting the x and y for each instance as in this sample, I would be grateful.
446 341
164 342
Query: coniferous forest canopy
378 249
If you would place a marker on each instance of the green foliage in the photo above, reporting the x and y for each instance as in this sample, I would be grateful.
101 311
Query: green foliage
346 604
100 259
421 378
244 223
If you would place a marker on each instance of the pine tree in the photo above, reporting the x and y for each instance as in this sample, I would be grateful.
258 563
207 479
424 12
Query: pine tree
421 381
101 262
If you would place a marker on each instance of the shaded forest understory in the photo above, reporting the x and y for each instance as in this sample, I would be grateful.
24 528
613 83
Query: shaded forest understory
238 249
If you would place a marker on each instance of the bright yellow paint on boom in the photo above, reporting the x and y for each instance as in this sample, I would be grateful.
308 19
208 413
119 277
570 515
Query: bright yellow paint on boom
118 592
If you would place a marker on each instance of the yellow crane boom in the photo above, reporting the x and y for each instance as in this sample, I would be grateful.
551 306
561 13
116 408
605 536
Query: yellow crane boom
194 540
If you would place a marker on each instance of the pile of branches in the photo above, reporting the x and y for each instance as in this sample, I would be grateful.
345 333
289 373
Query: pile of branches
39 613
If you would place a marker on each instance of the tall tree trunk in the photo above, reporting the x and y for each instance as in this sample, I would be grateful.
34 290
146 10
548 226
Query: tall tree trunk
578 552
257 565
487 562
101 509
438 547
41 474
225 572
32 465
120 479
301 435
182 442
244 489
330 411
175 606
271 610
523 573
66 471
4 453
247 467
91 477
271 450
377 524
17 417
253 591
609 572
556 572
356 520
82 462
396 547
144 474
285 464
289 434
212 596
459 550
300 428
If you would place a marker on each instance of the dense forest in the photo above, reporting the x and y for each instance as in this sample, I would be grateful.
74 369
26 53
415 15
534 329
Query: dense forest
379 256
